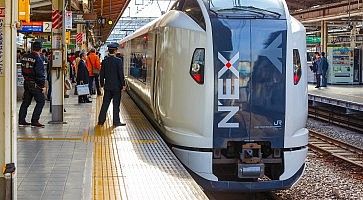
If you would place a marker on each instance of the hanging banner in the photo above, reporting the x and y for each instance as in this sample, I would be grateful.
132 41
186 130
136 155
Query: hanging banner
2 17
68 20
24 10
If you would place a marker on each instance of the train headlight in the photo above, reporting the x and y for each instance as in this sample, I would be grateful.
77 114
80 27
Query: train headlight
197 66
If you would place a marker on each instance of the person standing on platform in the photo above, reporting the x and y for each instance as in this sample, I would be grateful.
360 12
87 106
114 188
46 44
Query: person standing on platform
34 86
82 77
113 81
318 69
324 69
93 66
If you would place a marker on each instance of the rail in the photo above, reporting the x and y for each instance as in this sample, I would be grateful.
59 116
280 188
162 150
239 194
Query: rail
338 149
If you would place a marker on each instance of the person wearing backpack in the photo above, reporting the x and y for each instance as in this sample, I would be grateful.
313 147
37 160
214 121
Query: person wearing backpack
94 67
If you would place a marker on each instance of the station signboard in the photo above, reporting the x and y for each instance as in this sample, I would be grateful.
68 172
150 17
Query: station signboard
28 27
313 40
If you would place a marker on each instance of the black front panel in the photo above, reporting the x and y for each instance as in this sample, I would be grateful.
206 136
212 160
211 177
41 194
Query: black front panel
249 64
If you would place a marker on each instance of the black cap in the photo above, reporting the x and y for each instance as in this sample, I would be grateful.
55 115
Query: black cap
113 45
36 45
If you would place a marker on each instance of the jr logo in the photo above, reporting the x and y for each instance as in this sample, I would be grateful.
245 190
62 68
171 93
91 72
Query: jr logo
230 92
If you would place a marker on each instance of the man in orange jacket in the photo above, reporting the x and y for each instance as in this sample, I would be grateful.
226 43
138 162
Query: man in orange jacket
94 67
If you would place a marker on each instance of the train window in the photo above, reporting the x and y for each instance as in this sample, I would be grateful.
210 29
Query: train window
192 9
140 59
297 66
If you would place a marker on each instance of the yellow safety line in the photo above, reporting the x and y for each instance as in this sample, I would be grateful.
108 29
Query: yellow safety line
105 176
48 139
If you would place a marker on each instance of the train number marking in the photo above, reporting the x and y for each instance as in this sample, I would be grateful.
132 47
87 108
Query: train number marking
230 92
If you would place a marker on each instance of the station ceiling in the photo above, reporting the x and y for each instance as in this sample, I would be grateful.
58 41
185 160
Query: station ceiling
303 10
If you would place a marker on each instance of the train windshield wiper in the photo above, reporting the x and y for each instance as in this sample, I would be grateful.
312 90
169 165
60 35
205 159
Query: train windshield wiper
253 10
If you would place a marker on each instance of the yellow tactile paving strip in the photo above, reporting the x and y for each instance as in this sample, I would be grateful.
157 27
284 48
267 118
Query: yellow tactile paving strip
133 162
106 183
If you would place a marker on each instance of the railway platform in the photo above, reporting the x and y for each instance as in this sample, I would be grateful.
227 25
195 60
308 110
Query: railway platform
80 160
345 96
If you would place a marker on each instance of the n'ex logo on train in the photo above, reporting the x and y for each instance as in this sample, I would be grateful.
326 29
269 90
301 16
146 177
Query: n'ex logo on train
231 92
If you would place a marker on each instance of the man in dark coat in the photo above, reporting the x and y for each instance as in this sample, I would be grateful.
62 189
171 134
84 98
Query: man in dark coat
82 77
113 80
324 67
33 71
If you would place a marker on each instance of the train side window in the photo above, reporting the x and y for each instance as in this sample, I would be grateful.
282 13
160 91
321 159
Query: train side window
192 9
140 59
297 66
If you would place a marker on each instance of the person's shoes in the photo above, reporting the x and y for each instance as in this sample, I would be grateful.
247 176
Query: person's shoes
88 101
119 124
24 123
100 124
80 101
317 86
66 96
37 124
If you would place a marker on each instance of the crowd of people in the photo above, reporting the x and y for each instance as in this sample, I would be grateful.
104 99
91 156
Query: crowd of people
84 69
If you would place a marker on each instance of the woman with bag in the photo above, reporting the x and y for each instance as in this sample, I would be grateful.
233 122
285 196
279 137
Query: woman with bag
82 80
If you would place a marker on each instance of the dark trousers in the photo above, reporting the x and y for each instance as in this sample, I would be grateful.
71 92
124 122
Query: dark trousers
49 94
318 80
324 79
90 85
29 92
115 95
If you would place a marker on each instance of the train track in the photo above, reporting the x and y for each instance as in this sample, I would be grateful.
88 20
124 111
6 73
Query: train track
338 117
338 149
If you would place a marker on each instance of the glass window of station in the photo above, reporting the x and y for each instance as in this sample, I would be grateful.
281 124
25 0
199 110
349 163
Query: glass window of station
141 57
258 8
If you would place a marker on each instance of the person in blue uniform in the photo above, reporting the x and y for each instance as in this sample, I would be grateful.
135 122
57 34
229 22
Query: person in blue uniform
113 81
324 69
34 85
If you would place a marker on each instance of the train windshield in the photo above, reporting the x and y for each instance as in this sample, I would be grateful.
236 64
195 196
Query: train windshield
248 8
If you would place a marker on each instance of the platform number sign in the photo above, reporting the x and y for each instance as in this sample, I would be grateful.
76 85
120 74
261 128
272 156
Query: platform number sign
47 27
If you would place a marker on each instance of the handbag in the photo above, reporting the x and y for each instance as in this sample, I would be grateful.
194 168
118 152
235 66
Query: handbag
82 89
68 84
95 71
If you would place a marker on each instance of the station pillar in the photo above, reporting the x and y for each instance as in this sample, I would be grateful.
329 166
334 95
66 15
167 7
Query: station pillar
58 62
353 36
324 36
8 18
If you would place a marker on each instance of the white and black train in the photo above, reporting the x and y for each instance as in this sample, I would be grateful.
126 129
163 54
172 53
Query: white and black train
225 81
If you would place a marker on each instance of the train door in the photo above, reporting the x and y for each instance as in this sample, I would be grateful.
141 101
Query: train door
249 80
155 77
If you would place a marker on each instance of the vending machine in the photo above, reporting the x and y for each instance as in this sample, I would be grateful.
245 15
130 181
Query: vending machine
340 65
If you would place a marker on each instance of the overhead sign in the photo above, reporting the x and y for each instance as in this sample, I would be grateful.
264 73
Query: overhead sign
31 27
313 40
47 27
2 16
68 20
24 10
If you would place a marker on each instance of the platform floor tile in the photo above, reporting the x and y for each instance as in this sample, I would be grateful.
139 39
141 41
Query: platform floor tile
54 162
133 162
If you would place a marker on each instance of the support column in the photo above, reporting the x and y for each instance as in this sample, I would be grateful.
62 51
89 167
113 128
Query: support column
8 97
58 64
324 36
353 36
